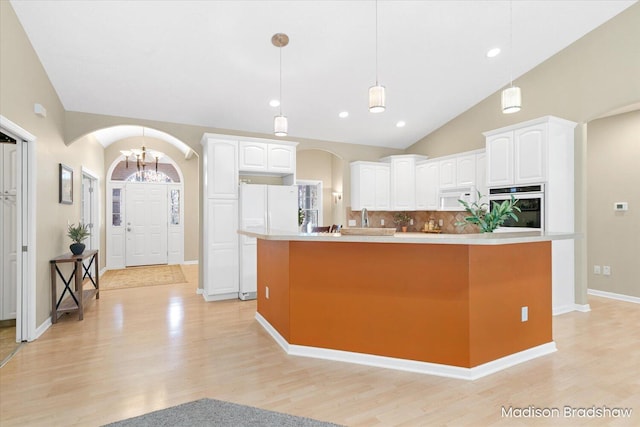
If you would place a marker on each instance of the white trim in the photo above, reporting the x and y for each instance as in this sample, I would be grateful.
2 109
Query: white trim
220 297
95 237
583 308
409 365
192 262
319 183
612 295
557 311
26 225
199 291
42 328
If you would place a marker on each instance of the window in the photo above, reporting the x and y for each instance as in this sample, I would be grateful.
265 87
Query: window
116 213
310 201
149 176
174 195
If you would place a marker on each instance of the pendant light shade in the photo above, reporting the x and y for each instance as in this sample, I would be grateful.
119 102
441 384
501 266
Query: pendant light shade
511 100
280 126
376 99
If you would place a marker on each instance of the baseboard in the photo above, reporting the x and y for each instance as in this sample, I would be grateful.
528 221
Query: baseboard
199 291
193 262
408 365
584 308
220 297
42 328
102 271
612 295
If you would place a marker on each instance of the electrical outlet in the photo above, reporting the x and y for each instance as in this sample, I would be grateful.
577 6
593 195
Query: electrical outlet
524 314
382 222
440 222
352 223
606 270
266 292
411 221
596 269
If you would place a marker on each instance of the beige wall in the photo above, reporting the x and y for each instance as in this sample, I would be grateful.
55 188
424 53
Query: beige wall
613 165
190 173
595 75
23 82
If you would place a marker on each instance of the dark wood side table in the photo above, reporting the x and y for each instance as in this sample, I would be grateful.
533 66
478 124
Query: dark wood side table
76 298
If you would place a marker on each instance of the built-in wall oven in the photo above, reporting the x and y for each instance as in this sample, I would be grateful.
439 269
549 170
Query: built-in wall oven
531 203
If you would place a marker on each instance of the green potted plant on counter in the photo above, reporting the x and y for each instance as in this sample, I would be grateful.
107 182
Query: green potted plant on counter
402 219
77 234
489 220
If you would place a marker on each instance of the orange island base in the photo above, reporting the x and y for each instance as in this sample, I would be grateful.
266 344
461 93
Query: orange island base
455 307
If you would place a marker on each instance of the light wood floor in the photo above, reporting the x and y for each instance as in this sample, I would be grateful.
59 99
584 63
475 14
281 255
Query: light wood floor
139 350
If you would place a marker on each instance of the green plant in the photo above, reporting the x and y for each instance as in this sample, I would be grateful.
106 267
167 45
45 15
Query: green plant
78 233
300 216
489 220
401 218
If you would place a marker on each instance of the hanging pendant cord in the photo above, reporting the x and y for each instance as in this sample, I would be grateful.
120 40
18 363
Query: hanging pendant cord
511 42
376 42
280 48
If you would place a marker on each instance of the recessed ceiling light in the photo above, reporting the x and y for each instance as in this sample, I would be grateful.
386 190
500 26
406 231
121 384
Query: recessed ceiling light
400 124
492 53
274 103
343 114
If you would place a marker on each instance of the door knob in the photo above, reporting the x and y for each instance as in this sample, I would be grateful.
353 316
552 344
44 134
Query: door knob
128 228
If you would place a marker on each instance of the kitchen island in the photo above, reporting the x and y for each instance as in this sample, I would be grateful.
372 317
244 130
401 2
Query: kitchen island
461 306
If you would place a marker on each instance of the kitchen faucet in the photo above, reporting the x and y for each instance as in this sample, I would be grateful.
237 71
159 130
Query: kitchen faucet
364 218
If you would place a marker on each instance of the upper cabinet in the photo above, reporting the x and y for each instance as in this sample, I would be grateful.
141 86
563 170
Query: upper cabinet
447 177
403 180
466 170
221 171
522 154
427 178
267 158
370 186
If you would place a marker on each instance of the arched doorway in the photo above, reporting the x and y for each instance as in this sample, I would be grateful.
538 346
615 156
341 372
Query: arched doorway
145 214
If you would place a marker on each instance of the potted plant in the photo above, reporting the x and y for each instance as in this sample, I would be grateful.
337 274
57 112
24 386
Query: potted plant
402 219
489 220
77 234
300 217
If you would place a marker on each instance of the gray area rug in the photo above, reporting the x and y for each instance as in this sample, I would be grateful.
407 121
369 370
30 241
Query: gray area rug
210 412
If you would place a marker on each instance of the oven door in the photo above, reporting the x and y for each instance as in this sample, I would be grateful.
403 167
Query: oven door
531 215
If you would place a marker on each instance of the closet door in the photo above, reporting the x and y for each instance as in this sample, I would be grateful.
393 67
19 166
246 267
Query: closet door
8 233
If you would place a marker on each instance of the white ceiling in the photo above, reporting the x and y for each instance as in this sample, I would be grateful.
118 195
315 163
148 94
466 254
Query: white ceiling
211 63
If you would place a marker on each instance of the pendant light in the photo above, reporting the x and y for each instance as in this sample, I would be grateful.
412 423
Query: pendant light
280 124
511 96
376 92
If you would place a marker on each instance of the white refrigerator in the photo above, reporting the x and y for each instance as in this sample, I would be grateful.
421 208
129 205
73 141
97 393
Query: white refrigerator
265 208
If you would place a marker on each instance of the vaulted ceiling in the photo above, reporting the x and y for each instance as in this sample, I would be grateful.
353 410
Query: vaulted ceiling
211 63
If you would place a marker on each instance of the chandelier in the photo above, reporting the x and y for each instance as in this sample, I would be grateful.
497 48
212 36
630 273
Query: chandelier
141 156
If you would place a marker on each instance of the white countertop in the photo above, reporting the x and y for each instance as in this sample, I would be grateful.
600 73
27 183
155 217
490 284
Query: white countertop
422 238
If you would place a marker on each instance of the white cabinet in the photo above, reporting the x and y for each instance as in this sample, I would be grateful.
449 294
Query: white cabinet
265 157
517 156
465 170
222 257
281 158
481 174
427 180
403 180
370 183
447 177
252 156
221 168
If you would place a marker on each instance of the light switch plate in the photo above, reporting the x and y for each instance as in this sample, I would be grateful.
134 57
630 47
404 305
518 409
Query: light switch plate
352 223
524 314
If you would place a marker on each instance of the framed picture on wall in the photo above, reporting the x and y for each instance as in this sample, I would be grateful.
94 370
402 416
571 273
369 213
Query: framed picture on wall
66 185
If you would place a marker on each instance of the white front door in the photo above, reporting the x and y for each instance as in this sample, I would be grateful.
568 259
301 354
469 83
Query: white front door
146 224
90 212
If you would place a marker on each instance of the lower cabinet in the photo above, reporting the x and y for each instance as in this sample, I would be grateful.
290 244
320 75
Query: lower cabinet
221 268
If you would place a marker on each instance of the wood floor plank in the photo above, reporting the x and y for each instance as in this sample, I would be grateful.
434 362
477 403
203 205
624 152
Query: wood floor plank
144 349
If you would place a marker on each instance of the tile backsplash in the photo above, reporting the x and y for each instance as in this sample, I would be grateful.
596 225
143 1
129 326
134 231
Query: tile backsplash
420 218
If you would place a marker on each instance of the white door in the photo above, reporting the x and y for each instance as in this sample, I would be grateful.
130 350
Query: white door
8 233
146 227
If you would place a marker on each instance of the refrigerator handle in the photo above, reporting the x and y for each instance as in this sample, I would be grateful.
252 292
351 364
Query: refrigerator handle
268 222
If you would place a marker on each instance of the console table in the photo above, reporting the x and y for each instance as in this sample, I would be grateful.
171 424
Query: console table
77 297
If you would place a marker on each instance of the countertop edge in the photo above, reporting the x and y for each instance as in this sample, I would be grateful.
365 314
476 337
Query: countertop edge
417 238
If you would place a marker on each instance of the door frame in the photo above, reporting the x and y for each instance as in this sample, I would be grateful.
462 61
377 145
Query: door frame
95 206
26 225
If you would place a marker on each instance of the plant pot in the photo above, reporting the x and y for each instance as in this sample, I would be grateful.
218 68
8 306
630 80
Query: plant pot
77 248
404 228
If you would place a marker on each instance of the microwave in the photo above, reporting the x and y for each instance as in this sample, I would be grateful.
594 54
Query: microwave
449 200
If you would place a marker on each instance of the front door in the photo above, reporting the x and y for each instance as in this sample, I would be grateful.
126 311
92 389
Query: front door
146 224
